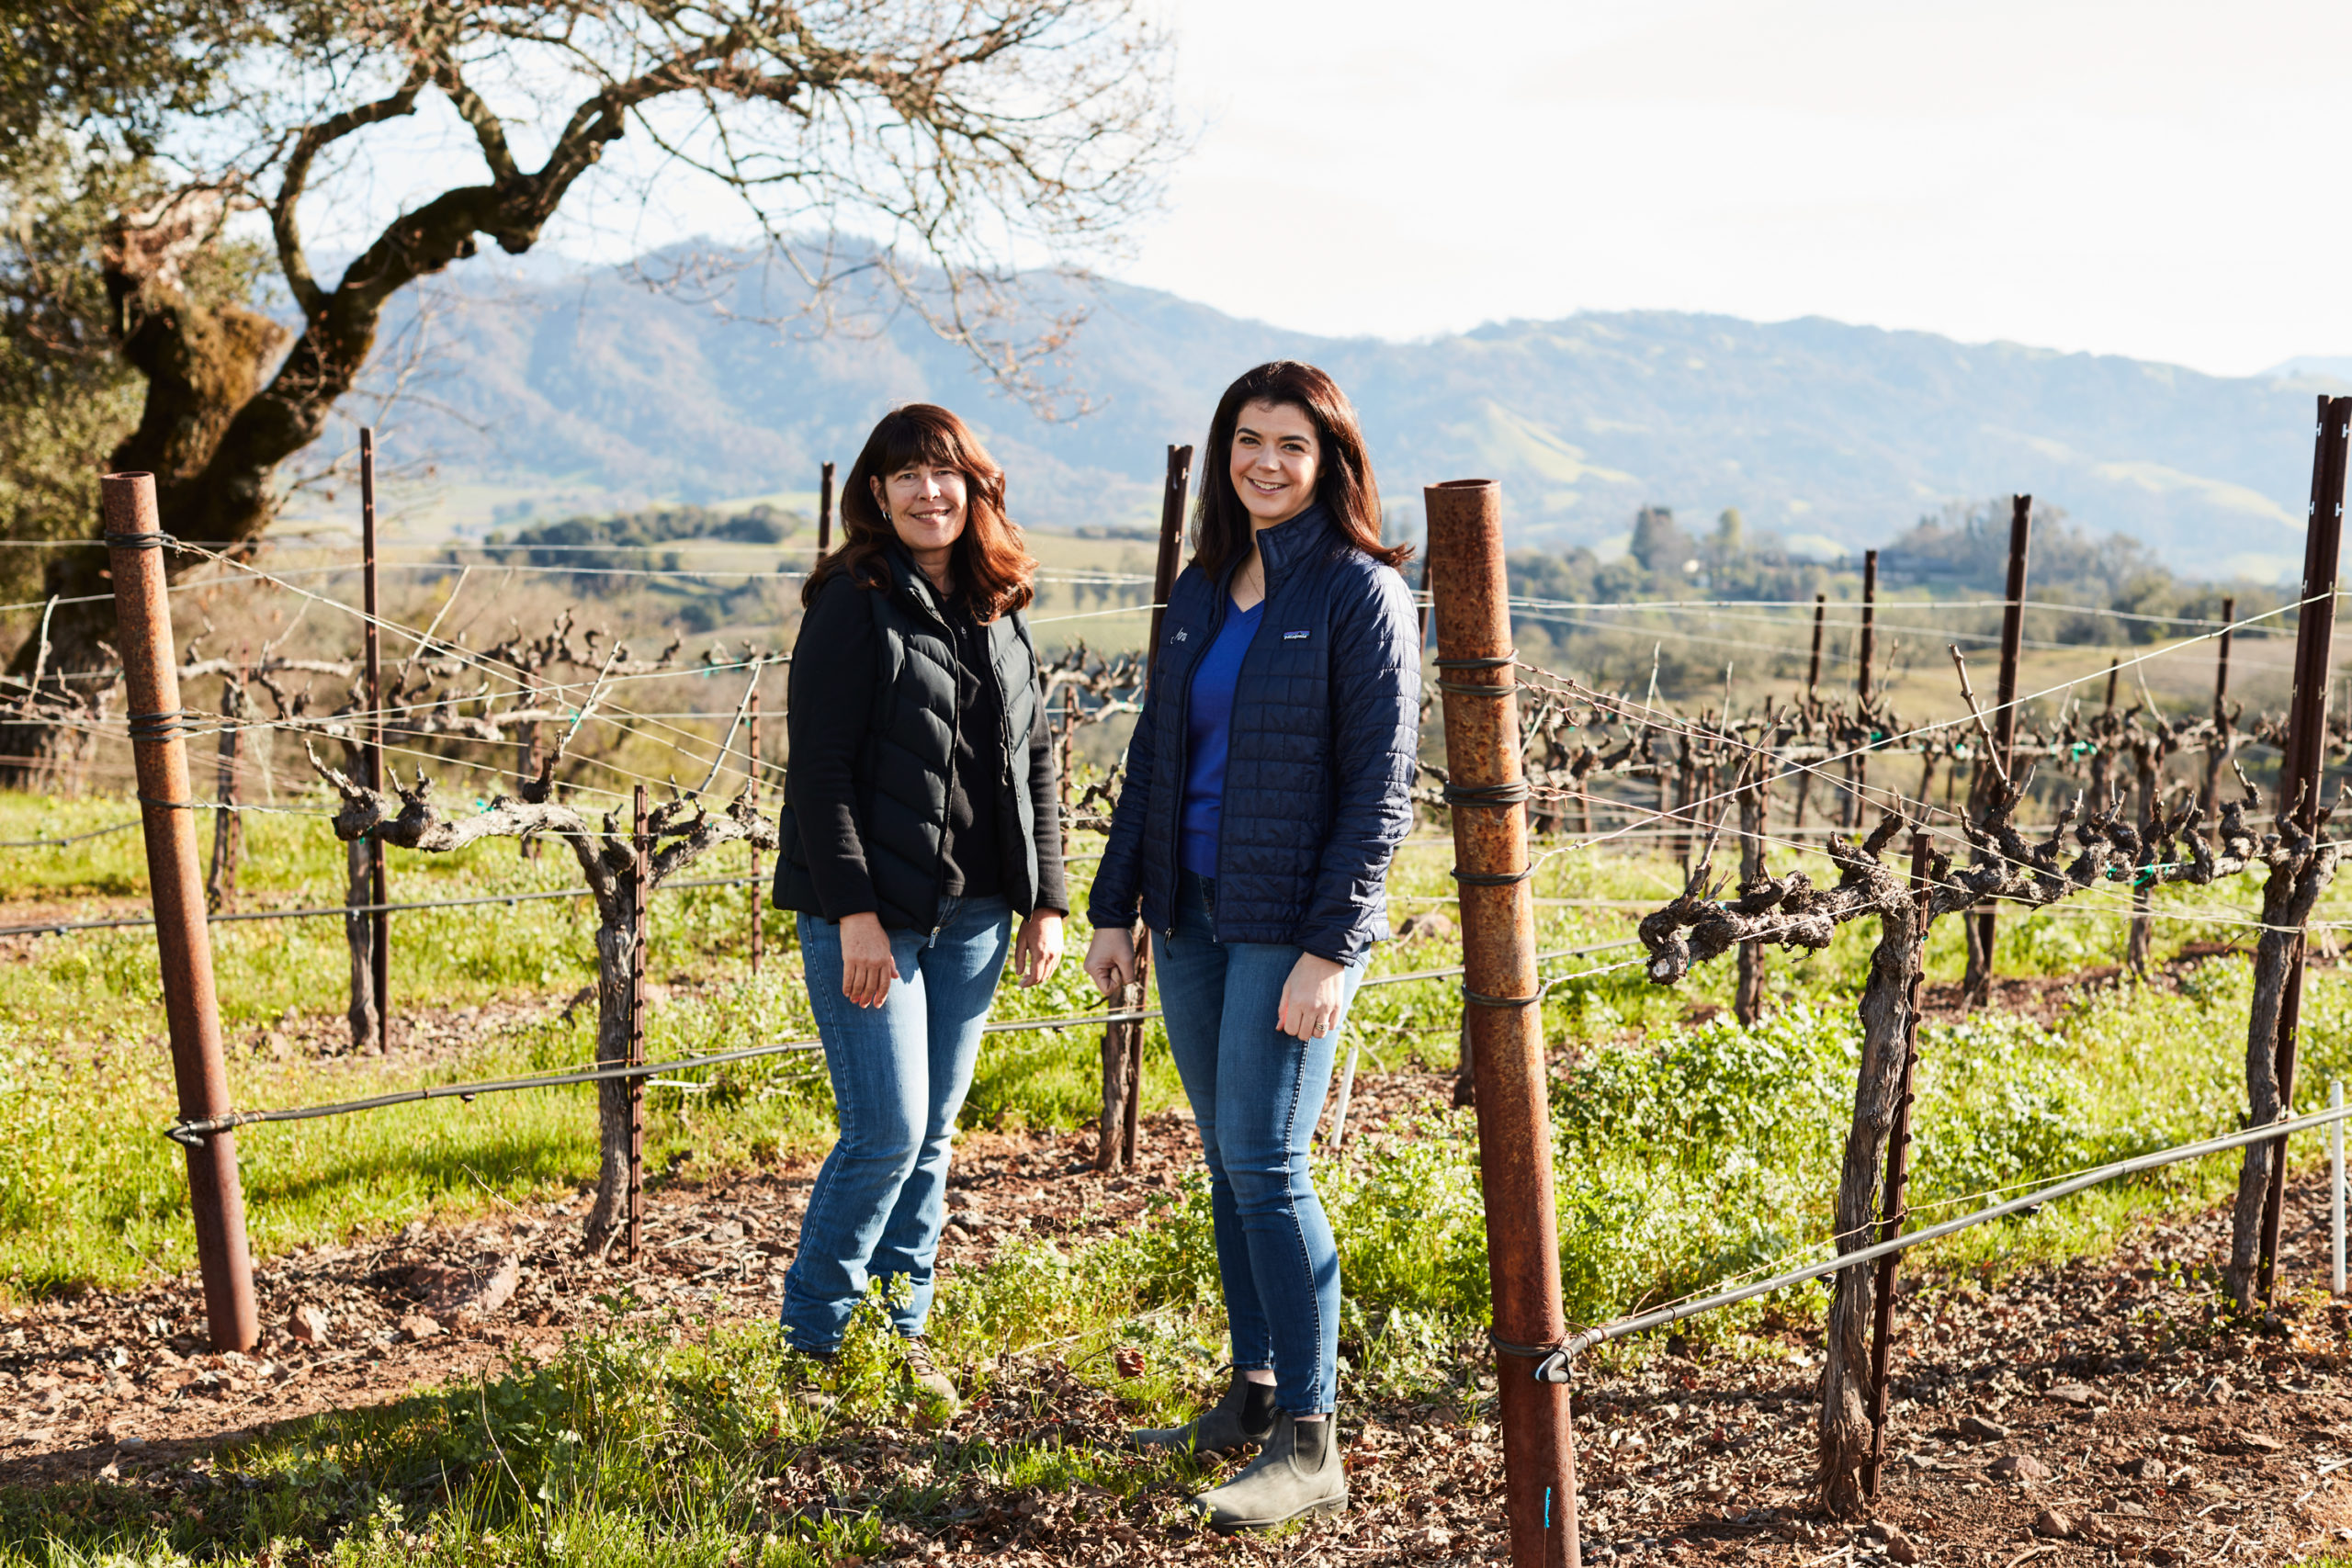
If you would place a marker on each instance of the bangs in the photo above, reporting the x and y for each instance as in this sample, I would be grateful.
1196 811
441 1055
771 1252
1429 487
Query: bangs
906 439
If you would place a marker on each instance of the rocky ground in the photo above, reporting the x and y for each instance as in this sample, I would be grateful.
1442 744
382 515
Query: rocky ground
2099 1412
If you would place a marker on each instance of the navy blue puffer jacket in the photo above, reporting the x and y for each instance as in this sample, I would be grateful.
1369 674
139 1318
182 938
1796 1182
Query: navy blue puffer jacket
1326 722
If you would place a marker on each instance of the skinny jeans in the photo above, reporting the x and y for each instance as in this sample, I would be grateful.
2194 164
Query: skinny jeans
899 1073
1256 1095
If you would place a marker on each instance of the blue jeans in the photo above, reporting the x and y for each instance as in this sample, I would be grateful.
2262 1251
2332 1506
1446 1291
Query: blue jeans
900 1073
1257 1094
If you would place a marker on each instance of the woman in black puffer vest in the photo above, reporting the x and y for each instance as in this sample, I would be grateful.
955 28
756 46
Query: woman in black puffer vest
919 818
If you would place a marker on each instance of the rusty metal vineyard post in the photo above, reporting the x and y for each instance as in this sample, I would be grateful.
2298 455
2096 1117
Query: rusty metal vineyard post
825 511
1976 986
640 897
2219 751
751 784
371 765
183 943
1858 770
1488 796
227 823
1812 682
1753 792
1122 1119
1892 1208
2302 770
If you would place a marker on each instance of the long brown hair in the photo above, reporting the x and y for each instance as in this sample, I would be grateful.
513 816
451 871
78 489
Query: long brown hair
1343 481
992 568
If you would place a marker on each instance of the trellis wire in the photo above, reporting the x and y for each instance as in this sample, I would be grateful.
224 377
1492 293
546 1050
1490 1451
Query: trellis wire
1553 1368
185 1132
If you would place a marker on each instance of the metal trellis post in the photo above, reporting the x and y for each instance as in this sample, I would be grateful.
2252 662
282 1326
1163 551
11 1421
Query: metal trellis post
379 923
2004 713
641 894
752 789
1856 808
1117 1144
2219 751
1503 1008
2305 764
825 511
227 823
182 945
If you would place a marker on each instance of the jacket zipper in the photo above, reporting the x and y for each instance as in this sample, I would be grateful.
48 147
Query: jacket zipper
1183 734
956 721
1224 607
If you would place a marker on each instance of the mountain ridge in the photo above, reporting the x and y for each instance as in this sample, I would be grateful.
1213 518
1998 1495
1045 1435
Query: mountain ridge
1834 434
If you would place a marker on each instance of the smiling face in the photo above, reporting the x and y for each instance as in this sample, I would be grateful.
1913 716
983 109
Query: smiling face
1276 458
926 505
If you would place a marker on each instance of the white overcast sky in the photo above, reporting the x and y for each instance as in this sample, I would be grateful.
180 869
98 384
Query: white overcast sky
2169 181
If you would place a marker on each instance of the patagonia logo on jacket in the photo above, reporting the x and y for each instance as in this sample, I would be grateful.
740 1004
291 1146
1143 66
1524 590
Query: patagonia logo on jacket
1294 637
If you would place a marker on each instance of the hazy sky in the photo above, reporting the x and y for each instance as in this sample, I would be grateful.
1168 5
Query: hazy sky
2163 180
2166 180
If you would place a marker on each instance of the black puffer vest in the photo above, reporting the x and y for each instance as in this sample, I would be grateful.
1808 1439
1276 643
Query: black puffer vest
902 768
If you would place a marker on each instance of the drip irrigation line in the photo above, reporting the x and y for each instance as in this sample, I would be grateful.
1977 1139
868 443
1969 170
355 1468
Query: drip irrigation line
1554 1366
193 1133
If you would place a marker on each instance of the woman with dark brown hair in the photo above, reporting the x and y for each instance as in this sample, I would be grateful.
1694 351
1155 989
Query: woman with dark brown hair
1266 786
920 816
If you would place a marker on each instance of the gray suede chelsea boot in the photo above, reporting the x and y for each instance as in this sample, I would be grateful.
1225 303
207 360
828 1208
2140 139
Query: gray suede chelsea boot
1243 1416
1296 1473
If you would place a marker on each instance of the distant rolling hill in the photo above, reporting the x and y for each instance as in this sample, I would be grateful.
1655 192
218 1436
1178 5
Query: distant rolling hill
591 391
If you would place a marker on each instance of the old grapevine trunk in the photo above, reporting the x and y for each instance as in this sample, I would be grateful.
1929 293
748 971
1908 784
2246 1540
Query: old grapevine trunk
682 831
1700 925
358 940
615 941
2297 879
1885 1013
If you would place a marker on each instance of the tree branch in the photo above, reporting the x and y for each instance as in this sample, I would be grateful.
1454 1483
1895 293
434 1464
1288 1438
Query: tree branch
488 128
284 222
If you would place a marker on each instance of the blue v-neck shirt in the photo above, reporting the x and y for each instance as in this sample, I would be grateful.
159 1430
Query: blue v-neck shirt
1208 722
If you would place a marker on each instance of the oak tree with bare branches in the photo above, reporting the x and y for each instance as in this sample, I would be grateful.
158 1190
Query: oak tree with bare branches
895 154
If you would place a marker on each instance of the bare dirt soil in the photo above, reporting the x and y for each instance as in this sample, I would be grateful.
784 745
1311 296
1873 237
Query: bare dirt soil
2101 1412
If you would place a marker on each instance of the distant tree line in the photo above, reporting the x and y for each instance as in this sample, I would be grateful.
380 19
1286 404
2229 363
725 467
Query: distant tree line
599 557
1964 549
1957 552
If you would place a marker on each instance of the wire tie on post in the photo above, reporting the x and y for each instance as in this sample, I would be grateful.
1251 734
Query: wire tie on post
1463 689
1515 792
1492 878
161 726
140 541
1550 1361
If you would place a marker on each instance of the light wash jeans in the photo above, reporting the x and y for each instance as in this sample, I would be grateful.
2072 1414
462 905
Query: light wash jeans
899 1075
1257 1094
